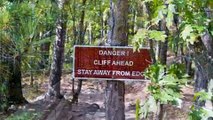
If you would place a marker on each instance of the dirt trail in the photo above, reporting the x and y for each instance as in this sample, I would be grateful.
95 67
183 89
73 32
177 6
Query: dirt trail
91 102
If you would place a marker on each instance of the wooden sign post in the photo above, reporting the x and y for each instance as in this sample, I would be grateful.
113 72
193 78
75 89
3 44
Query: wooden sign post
108 62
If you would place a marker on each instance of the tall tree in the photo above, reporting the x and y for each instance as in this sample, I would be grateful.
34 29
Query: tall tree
117 36
58 52
13 61
81 41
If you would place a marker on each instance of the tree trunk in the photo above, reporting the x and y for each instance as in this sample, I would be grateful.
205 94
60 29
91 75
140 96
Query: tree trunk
147 10
81 42
10 66
204 65
76 94
45 47
74 21
188 64
117 37
163 47
58 52
102 20
15 95
81 25
152 51
132 26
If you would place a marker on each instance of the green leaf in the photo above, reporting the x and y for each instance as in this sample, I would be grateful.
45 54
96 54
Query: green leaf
211 32
178 70
207 113
192 38
159 14
137 111
139 38
170 15
189 33
169 20
150 105
39 42
186 32
168 80
157 35
165 97
202 96
155 72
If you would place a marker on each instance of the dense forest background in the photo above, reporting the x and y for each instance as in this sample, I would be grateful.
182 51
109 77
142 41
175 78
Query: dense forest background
37 37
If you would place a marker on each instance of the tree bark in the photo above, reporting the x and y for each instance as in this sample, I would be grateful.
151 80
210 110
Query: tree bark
188 64
15 95
163 48
81 42
117 36
81 25
44 48
163 45
203 62
74 21
76 94
13 62
58 52
152 51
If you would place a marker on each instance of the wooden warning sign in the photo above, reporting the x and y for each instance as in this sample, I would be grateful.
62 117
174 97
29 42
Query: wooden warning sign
110 63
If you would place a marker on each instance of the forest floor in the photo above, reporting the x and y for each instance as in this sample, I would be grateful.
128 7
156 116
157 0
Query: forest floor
91 101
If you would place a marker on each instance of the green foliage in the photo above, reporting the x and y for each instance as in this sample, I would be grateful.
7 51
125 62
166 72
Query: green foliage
139 38
196 114
150 105
3 92
194 18
191 23
20 27
201 113
24 116
137 111
143 34
165 86
202 96
23 24
177 70
191 33
157 35
158 11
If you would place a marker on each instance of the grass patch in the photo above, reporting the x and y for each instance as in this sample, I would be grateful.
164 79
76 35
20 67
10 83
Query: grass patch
26 115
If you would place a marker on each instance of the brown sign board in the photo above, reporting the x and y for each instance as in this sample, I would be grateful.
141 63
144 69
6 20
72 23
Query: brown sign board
110 62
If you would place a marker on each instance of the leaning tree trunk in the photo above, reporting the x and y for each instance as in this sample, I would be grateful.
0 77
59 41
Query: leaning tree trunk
58 52
204 64
117 37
